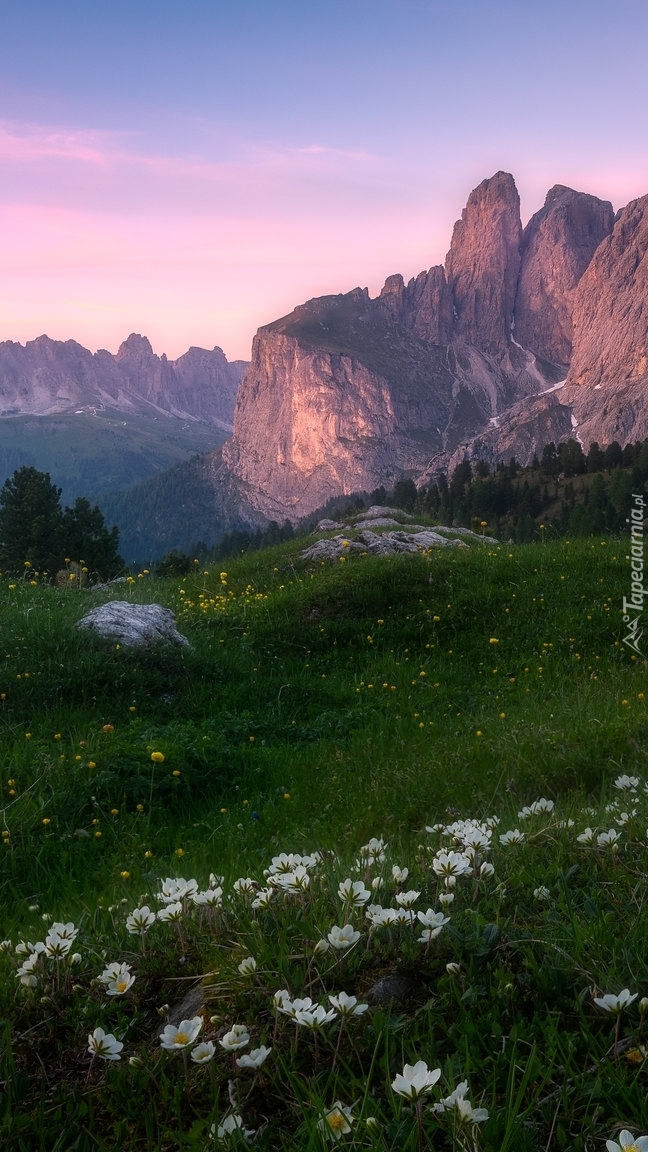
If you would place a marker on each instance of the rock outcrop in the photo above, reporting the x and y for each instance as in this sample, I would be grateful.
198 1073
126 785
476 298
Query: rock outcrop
558 244
133 625
46 376
483 263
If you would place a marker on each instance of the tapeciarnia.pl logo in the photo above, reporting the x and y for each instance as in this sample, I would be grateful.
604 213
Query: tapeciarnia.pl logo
633 606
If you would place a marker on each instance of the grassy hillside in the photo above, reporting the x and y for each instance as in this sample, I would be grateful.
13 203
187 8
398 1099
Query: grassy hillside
87 455
319 707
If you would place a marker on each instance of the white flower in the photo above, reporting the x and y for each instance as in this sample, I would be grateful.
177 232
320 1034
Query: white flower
247 966
57 947
176 888
627 783
203 1052
211 898
407 899
121 985
373 852
448 865
403 915
608 839
321 946
342 938
380 917
615 1003
486 870
457 1101
292 1007
65 931
263 898
347 1005
230 1124
173 1039
415 1080
216 881
446 897
171 913
512 837
245 886
541 893
354 893
399 875
140 920
628 1141
281 997
335 1123
104 1044
432 923
237 1037
296 881
114 971
26 971
313 1017
255 1058
586 837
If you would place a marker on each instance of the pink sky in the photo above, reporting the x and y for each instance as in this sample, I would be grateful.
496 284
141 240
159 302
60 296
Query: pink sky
192 177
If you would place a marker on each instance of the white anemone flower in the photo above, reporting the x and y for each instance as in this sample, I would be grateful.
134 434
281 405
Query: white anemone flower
373 852
237 1037
415 1080
292 1007
281 997
263 898
174 1039
253 1059
114 971
203 1052
446 897
407 899
336 1122
104 1044
608 839
628 1142
171 913
432 923
586 837
247 966
347 1005
399 875
342 938
26 971
616 1003
120 985
65 931
292 882
380 917
231 1124
627 783
245 886
210 898
176 888
353 893
447 865
57 947
512 837
140 920
314 1017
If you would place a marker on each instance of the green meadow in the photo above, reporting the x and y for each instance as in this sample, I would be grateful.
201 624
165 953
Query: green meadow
445 757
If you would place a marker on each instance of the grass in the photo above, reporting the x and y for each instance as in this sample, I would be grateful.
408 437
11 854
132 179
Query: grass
321 706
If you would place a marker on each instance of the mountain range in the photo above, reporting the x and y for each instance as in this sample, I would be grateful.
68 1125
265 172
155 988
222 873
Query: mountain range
523 336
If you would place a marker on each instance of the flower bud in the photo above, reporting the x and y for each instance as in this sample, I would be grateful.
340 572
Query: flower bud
643 1005
453 969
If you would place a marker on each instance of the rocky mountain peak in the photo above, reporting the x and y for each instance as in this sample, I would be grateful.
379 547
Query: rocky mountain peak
483 263
557 246
135 346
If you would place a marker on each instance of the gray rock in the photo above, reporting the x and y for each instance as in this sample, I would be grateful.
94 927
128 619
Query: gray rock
134 625
467 533
328 525
394 988
331 549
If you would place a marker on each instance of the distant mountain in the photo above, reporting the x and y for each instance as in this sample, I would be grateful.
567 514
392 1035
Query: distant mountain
98 422
46 376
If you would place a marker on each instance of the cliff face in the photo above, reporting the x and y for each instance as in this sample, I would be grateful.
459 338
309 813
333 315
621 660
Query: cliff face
483 263
557 246
46 376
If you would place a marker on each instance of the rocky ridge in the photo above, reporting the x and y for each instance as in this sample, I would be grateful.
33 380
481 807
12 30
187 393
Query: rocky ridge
468 359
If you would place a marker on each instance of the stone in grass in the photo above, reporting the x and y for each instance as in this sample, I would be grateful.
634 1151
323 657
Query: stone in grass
134 625
396 987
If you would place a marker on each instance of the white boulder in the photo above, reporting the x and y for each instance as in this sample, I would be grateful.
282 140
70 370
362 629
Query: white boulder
134 625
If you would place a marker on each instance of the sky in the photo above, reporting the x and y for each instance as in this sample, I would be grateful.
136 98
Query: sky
192 170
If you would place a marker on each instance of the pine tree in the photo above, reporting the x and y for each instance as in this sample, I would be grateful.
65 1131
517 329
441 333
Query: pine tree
86 539
30 521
